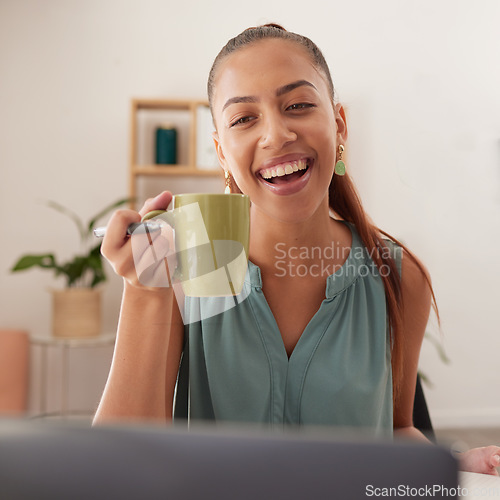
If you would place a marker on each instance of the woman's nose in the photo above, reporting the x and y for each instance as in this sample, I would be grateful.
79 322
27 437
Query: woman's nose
276 133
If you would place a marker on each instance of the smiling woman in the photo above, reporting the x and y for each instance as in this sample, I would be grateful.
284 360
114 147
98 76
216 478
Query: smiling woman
335 347
267 120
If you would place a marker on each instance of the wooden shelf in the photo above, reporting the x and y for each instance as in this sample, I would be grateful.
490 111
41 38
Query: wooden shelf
175 170
188 169
186 104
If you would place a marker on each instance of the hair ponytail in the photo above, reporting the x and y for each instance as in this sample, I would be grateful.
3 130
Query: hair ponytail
346 203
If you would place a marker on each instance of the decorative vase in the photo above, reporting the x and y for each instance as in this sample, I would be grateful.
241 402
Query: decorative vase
76 312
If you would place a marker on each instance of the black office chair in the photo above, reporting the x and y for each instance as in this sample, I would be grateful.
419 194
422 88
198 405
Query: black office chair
421 417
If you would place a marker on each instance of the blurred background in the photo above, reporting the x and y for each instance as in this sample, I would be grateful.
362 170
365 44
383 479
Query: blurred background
420 84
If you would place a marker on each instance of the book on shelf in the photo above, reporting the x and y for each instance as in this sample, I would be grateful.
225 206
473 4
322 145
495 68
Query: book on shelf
206 157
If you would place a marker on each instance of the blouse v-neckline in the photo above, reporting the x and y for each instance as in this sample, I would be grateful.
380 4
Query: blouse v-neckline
335 284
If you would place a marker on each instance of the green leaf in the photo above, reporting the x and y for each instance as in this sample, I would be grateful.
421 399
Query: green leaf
425 379
99 277
45 260
104 211
96 251
66 211
95 266
75 269
439 348
95 263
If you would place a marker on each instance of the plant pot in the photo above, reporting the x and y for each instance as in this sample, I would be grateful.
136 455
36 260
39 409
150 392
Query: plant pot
76 312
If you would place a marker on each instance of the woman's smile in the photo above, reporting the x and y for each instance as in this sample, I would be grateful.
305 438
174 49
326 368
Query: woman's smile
286 175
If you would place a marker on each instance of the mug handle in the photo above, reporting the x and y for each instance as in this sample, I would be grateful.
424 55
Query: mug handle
152 214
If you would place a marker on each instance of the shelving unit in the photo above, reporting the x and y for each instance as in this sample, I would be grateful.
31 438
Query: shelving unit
188 168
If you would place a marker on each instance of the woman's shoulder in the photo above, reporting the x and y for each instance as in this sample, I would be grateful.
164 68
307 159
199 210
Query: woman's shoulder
409 265
414 273
416 286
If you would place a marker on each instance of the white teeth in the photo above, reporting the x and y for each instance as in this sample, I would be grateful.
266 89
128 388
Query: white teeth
284 169
280 171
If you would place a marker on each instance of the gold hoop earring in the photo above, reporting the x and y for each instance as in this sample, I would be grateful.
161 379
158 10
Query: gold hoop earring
227 182
340 165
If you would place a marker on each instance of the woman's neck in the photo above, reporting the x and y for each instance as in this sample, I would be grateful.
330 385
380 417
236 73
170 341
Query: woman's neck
310 239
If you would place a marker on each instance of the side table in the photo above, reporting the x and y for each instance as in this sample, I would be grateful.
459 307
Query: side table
65 345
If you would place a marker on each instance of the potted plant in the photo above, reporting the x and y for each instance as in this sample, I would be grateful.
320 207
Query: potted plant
76 309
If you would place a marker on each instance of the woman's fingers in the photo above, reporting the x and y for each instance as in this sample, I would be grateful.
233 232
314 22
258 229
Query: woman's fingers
150 253
160 202
495 458
116 231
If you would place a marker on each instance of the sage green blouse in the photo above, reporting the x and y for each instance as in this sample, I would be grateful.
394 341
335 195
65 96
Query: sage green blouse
235 367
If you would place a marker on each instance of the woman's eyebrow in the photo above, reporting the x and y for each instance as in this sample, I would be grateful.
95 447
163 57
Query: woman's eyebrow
294 85
236 100
279 92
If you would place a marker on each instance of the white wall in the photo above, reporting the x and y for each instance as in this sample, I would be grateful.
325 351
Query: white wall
420 80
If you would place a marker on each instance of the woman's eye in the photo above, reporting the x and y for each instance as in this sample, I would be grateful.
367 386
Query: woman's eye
300 105
241 121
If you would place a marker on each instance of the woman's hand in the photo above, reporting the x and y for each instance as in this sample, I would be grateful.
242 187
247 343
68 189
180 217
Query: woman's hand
141 258
483 460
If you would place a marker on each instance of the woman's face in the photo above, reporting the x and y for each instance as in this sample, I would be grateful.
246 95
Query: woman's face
277 129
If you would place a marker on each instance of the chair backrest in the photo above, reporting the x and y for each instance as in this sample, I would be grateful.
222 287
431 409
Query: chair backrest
421 416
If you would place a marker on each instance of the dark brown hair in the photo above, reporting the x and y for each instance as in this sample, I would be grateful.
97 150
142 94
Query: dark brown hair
343 197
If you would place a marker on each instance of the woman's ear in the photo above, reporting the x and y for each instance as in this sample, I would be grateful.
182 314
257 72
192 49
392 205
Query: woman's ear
218 150
340 120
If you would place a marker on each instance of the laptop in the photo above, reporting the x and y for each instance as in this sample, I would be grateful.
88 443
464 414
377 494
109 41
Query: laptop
46 460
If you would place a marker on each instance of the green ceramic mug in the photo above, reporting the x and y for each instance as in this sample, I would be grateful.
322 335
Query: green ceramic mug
211 233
